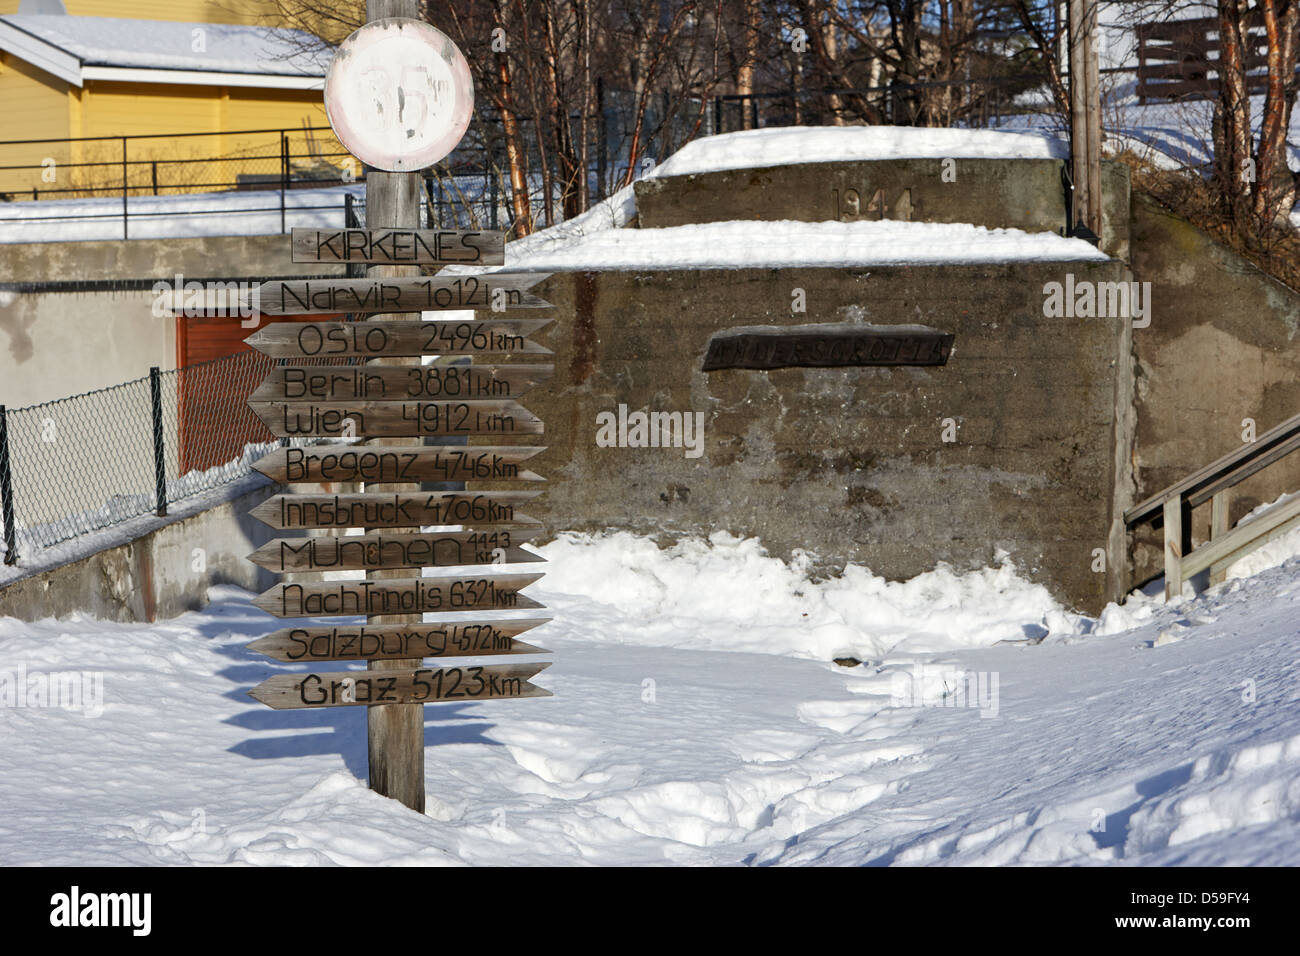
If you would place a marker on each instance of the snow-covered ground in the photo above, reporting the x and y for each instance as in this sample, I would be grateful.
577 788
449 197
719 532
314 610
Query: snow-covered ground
698 719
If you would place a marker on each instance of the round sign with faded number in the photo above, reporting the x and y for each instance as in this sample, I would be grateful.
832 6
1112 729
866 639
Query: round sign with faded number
399 94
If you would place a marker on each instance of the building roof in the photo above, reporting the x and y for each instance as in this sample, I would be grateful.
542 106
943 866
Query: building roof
77 49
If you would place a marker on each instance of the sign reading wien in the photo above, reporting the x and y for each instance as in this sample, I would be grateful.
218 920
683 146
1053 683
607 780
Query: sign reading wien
399 98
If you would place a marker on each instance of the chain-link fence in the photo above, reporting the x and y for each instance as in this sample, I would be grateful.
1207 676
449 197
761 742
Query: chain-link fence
85 463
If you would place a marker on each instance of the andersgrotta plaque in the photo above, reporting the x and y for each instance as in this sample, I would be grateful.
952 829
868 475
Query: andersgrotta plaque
827 346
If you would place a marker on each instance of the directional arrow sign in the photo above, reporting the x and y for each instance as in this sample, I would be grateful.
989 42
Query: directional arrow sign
425 383
366 419
379 510
397 338
496 292
376 464
398 596
480 247
360 688
374 552
392 641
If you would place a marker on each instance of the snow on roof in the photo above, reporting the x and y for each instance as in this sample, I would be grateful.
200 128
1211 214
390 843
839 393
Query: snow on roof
781 146
165 45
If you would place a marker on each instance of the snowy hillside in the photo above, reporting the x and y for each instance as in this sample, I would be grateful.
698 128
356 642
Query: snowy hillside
701 724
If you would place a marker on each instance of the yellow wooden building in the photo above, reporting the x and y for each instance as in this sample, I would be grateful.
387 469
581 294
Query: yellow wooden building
74 70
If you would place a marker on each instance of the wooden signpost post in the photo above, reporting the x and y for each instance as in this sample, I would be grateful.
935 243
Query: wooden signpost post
392 67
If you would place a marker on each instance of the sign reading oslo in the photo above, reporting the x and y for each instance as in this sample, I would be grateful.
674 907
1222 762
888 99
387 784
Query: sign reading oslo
399 94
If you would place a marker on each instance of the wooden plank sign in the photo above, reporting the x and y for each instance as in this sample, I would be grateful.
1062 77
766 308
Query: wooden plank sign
362 688
359 642
494 292
367 419
385 383
379 465
826 346
398 596
397 338
379 551
479 247
383 510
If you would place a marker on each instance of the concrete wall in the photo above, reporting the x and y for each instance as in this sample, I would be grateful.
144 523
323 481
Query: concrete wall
1026 194
58 344
1221 348
153 576
850 463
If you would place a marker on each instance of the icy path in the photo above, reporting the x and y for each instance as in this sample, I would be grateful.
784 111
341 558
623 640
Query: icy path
1129 747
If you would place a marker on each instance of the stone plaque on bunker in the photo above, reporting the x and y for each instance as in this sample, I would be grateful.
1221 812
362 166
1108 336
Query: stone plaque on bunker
826 347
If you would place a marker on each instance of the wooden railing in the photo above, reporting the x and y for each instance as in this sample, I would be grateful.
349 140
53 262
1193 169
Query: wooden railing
1179 59
1213 483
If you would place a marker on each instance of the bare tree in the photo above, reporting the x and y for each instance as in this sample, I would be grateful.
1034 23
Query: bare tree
1252 174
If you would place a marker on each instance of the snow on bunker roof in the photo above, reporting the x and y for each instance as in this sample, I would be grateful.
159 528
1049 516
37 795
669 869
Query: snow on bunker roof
786 244
794 145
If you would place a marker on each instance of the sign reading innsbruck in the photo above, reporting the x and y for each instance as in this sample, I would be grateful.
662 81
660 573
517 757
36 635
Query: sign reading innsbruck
399 97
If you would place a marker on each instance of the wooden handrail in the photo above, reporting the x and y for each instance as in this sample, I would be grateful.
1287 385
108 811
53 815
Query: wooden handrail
1212 483
1233 468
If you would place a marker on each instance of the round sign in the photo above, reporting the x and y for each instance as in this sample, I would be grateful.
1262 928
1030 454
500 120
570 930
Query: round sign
399 94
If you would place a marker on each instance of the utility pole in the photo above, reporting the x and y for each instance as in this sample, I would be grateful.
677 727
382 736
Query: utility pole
1085 118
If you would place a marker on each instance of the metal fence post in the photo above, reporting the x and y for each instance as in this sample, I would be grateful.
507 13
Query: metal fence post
124 188
7 493
159 454
284 175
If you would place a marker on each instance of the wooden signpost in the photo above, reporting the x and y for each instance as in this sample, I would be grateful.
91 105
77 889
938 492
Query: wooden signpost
298 340
497 292
398 96
328 463
299 382
362 552
394 509
362 688
366 641
400 246
396 419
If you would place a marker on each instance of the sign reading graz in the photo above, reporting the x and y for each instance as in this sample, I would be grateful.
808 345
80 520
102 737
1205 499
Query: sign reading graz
340 689
827 346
